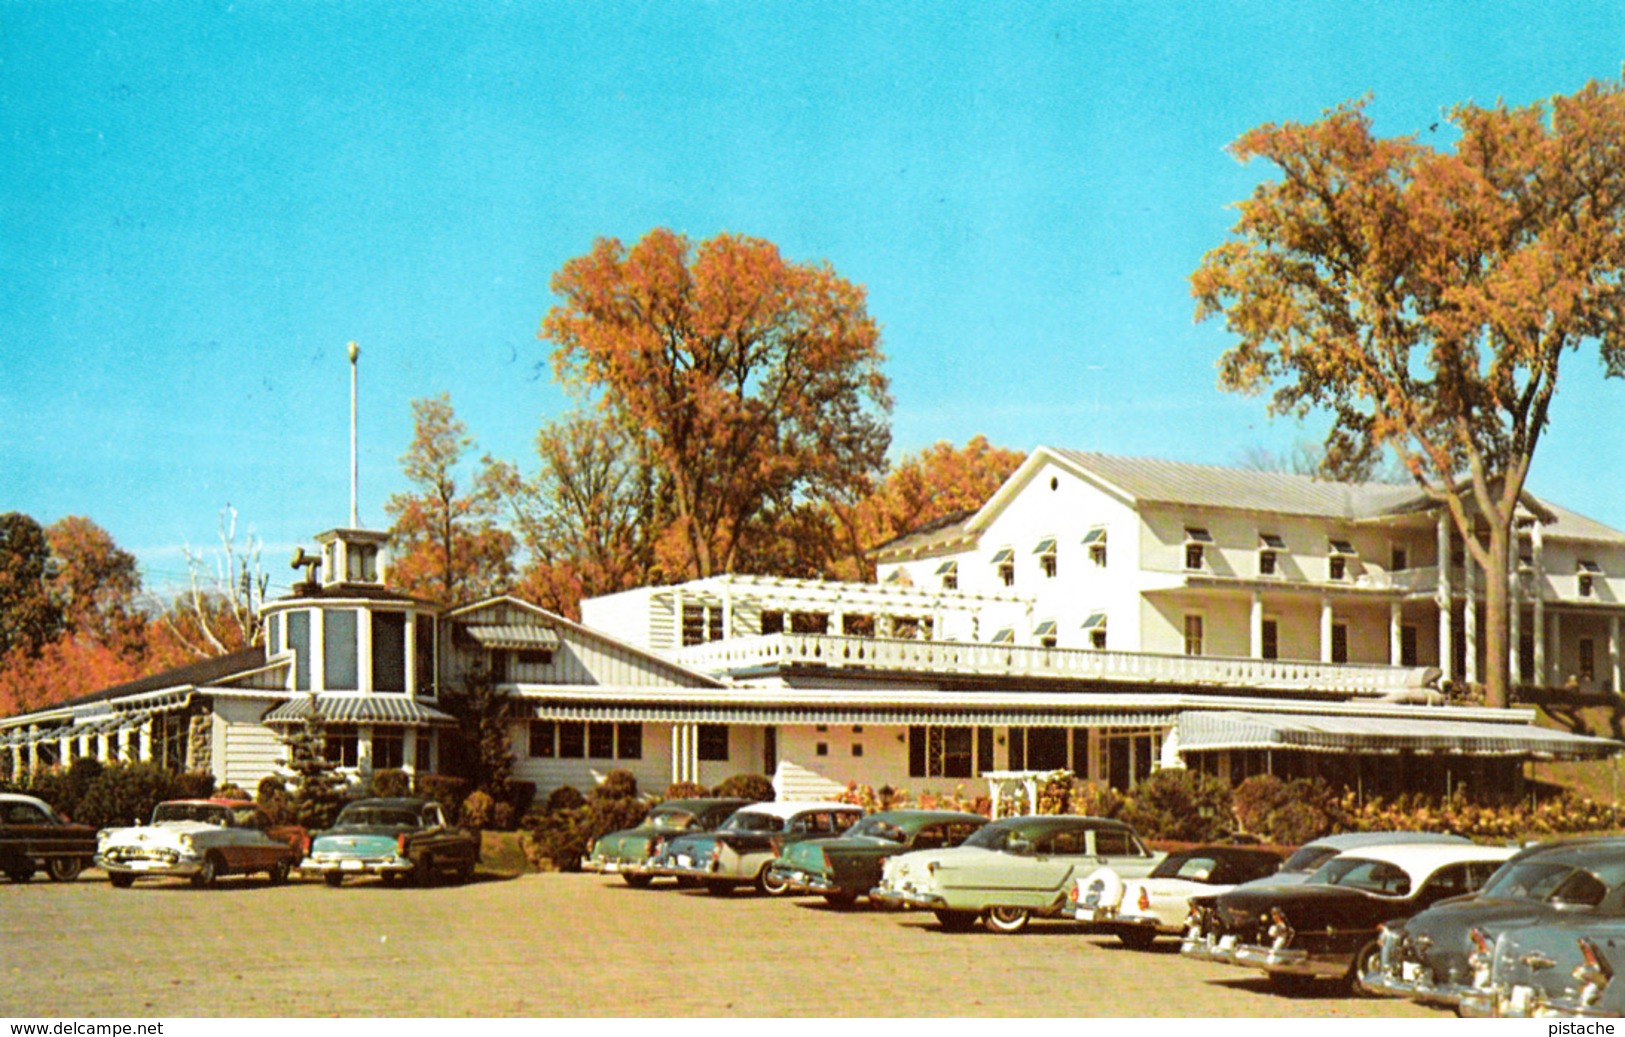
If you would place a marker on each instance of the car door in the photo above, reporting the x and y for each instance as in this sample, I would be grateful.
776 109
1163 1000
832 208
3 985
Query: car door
25 830
1036 867
1120 851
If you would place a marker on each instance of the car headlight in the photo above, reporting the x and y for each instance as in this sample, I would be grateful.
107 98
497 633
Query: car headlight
185 842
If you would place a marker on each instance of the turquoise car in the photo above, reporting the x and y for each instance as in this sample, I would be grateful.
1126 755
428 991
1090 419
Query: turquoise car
846 867
626 853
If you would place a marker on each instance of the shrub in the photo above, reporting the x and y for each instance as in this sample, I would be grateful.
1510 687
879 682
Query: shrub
478 809
1179 804
194 785
521 794
1287 812
1096 800
753 787
617 784
565 833
390 783
686 790
125 793
444 789
272 797
565 797
231 790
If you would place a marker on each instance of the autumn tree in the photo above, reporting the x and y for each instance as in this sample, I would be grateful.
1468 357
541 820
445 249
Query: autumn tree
96 585
1426 297
447 543
751 382
30 618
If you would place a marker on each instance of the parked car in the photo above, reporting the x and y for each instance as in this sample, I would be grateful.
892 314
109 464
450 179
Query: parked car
627 853
1137 911
1328 926
1311 855
846 867
1430 957
202 840
1561 968
739 851
1011 870
33 836
393 838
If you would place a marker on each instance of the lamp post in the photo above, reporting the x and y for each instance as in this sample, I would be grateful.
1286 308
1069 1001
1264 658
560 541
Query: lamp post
354 352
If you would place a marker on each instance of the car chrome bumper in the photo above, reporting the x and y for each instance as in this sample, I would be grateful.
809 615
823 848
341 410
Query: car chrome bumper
355 865
1384 984
906 898
1206 948
1288 961
796 881
603 867
183 866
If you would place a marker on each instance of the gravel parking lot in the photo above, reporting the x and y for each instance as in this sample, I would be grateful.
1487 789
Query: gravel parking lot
572 945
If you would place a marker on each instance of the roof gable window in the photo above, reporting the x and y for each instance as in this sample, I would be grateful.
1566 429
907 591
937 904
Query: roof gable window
1337 561
949 572
1586 574
1046 556
1270 545
1095 541
1005 636
1197 541
1004 563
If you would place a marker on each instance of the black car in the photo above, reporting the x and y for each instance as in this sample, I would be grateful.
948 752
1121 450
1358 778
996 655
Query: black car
33 836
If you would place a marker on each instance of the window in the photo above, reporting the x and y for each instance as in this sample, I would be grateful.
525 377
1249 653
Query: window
338 649
1398 559
713 745
1269 546
273 628
1004 562
1045 633
363 562
388 748
1266 563
1407 646
541 739
1588 572
424 744
821 749
1337 562
629 741
1005 636
341 744
949 572
299 644
940 752
701 623
425 653
1269 640
1095 541
857 748
1196 541
772 621
1110 842
1047 748
1095 627
1340 642
389 651
601 740
1587 659
1046 557
1193 635
572 739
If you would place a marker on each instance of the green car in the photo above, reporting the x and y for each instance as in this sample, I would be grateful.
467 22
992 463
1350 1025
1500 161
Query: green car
848 866
627 853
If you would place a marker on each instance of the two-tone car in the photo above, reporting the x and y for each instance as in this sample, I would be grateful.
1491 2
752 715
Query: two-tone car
1435 956
1011 870
200 840
1562 968
1306 859
848 866
740 850
34 837
1327 928
394 838
1137 911
627 853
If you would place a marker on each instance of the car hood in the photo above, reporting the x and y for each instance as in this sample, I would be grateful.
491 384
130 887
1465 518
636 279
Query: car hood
390 830
163 832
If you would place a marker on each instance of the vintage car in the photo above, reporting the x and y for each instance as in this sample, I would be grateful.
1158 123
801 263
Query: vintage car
848 866
1431 956
1311 855
739 851
202 840
1561 968
1011 870
1137 911
393 838
1328 926
627 853
33 836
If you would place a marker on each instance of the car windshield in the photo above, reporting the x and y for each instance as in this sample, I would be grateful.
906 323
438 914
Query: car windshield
879 828
671 820
1195 867
1378 877
746 821
385 817
1308 858
993 837
207 813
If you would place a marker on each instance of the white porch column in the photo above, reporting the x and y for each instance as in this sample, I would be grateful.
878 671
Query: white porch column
411 649
1447 648
145 752
1257 626
64 749
102 746
1613 655
1469 613
1396 634
1538 634
676 623
409 748
33 747
1325 629
1514 610
84 744
676 753
1555 676
727 609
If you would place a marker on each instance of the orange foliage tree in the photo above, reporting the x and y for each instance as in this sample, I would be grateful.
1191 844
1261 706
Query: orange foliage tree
750 382
447 545
1425 297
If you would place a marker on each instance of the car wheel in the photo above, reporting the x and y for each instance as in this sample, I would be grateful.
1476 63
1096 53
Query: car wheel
840 901
64 869
718 888
771 884
956 921
120 880
423 873
1138 939
390 878
208 872
465 873
687 882
21 874
636 881
277 873
334 879
1369 960
1005 919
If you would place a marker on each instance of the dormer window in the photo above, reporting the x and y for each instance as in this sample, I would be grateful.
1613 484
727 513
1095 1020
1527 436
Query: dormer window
1269 547
1045 632
1095 541
1587 573
1197 539
1337 562
1004 562
949 573
1046 556
1095 627
363 562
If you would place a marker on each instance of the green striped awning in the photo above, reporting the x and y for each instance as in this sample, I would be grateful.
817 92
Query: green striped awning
514 636
1203 731
809 714
358 709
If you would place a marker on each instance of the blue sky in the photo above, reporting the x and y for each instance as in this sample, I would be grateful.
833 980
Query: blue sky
200 204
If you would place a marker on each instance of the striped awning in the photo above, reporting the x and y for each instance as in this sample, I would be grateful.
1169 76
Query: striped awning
1204 732
513 636
358 709
792 715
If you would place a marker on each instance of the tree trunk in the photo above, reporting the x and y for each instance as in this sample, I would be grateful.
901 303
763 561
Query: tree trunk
1497 597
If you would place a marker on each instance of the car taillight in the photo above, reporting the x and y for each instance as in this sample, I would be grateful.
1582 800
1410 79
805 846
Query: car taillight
1072 894
1145 899
777 845
716 850
1480 940
828 867
400 844
1593 974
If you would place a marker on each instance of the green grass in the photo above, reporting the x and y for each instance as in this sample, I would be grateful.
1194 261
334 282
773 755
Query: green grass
500 853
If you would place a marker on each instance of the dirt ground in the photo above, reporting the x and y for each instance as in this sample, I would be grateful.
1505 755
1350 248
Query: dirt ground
573 945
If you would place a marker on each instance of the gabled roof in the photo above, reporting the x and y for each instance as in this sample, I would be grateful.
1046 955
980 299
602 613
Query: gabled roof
201 673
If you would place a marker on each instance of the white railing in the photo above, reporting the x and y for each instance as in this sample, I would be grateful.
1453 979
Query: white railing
1424 578
961 658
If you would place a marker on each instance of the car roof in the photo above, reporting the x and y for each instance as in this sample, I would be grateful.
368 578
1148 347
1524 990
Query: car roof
211 802
906 818
19 797
1350 840
790 808
390 802
1065 821
1225 852
1582 851
698 804
1424 858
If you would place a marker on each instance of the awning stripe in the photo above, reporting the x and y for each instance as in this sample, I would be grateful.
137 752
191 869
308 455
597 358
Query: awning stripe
1204 732
514 636
358 709
632 713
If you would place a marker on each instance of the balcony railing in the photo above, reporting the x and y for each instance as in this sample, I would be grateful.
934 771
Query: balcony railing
959 658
